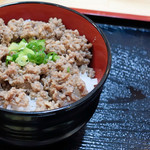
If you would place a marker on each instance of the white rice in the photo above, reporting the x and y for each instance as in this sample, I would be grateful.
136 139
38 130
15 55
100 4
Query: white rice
30 107
89 82
26 21
32 104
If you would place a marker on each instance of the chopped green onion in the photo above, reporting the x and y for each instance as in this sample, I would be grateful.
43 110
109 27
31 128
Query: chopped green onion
39 57
68 69
53 56
13 46
36 45
22 44
9 59
24 52
14 56
27 51
31 57
22 60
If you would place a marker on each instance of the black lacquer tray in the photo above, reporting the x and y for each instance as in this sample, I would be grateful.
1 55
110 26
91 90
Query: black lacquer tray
122 118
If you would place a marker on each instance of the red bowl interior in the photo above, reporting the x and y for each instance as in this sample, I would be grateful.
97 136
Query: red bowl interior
72 20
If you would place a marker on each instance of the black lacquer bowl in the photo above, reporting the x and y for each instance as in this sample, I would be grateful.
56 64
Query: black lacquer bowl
46 127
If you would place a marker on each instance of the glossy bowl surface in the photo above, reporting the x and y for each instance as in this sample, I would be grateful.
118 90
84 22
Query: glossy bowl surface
40 128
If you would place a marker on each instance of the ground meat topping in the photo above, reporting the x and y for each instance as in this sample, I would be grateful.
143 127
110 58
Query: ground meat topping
45 86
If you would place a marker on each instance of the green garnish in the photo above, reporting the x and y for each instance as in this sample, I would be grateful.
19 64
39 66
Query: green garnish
68 69
8 59
36 45
22 60
53 56
24 52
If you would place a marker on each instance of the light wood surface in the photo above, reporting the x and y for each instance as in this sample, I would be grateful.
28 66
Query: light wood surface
134 7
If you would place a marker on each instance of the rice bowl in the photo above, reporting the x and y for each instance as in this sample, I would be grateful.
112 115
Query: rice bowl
34 128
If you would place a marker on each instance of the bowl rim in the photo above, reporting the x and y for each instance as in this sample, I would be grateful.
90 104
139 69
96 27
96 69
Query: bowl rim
85 98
